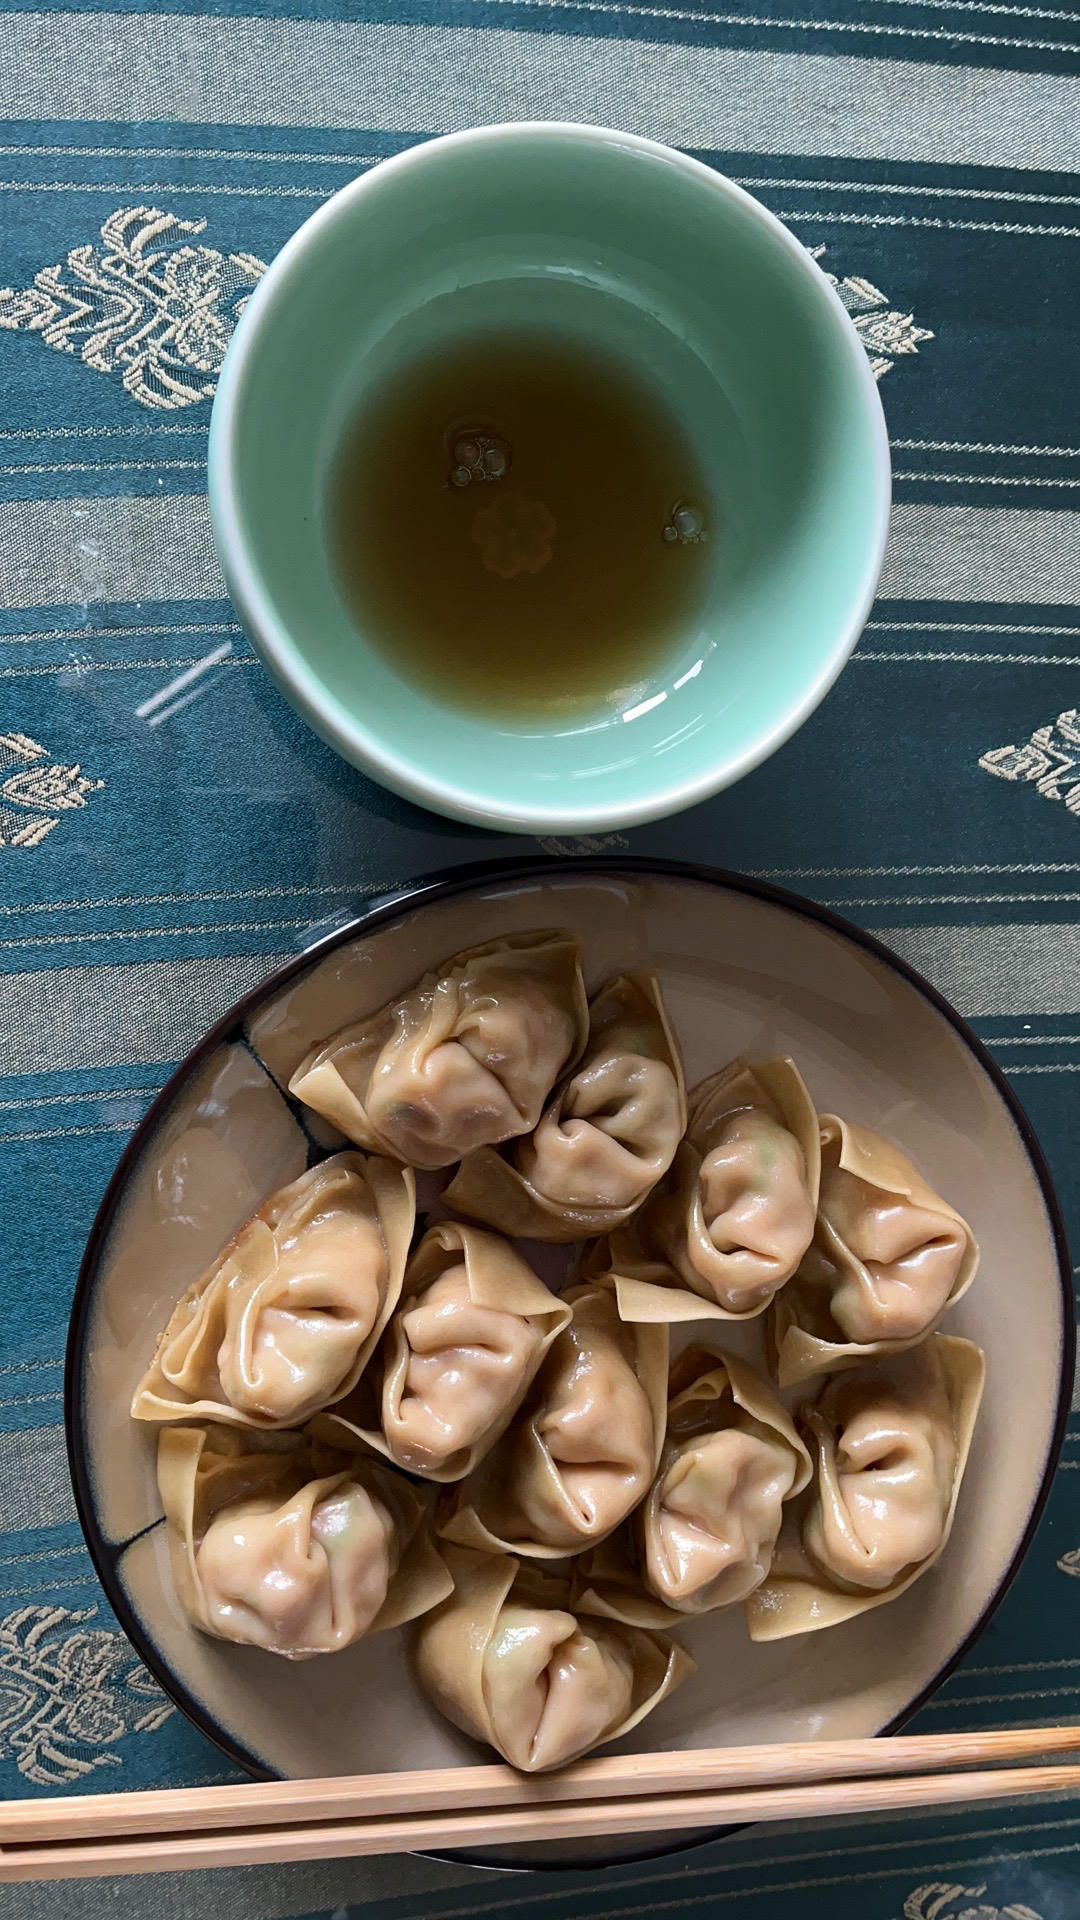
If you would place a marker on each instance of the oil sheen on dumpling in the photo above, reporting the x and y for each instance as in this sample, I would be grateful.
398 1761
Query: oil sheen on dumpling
750 1214
466 1059
297 1551
891 1441
508 1661
705 1535
888 1256
466 1365
584 1448
607 1135
886 1462
731 1460
459 1354
298 1576
286 1317
730 1223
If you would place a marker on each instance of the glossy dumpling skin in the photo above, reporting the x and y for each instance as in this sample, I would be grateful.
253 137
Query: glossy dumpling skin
465 1059
287 1316
459 1355
606 1136
728 1226
507 1661
295 1549
705 1535
891 1442
889 1255
582 1451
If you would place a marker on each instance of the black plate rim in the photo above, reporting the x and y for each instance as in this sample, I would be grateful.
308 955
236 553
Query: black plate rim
378 911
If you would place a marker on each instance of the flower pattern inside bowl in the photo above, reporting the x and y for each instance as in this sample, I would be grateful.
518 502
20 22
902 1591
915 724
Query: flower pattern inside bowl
514 534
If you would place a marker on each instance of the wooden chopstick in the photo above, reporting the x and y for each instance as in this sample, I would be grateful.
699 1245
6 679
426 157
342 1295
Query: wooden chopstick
480 1827
441 1789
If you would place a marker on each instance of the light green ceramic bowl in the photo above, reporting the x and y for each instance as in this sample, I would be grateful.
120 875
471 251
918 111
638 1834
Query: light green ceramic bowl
649 256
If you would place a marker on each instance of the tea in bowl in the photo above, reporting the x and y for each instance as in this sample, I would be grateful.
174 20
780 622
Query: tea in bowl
549 477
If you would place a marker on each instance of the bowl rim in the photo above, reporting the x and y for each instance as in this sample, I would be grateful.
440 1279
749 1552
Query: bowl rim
383 909
348 732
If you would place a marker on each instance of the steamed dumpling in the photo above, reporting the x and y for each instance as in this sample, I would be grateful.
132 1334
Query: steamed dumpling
729 1225
294 1550
506 1659
886 1470
459 1355
607 1135
584 1447
288 1314
888 1256
464 1060
891 1441
704 1537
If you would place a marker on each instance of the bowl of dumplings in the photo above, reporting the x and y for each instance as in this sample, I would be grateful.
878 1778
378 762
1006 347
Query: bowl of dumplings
571 1307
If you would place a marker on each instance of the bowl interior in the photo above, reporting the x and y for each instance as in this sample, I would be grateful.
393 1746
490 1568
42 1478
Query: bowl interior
740 974
658 264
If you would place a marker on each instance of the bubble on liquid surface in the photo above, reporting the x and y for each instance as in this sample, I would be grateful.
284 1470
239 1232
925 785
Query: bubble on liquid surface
686 526
477 455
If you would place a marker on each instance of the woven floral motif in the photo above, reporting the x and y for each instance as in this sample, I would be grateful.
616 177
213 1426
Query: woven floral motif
68 1693
887 334
942 1902
144 305
36 790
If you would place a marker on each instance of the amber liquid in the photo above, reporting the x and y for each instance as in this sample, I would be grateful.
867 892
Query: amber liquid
522 527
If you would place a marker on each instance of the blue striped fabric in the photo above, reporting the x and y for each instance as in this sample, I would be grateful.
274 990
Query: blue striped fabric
168 830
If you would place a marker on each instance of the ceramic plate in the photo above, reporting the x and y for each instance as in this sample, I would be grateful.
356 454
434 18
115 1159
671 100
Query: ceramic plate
745 969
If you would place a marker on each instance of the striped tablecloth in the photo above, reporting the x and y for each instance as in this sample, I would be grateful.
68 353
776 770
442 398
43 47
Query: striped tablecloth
168 830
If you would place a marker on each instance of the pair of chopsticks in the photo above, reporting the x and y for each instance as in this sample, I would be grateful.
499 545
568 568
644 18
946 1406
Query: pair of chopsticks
253 1824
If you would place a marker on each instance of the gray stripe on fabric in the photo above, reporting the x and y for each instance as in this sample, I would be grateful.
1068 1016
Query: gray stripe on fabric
142 1014
421 79
85 551
79 552
151 1012
35 1490
996 970
982 553
328 1888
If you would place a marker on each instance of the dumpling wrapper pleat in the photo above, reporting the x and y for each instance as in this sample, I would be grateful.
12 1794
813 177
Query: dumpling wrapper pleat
728 1225
607 1135
584 1447
465 1059
506 1659
892 1443
287 1316
287 1546
459 1355
889 1257
704 1537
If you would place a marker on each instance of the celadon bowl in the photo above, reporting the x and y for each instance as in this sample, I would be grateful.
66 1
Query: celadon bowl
654 260
744 969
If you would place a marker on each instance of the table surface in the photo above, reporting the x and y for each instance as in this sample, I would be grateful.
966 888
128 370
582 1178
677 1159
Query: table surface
169 830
